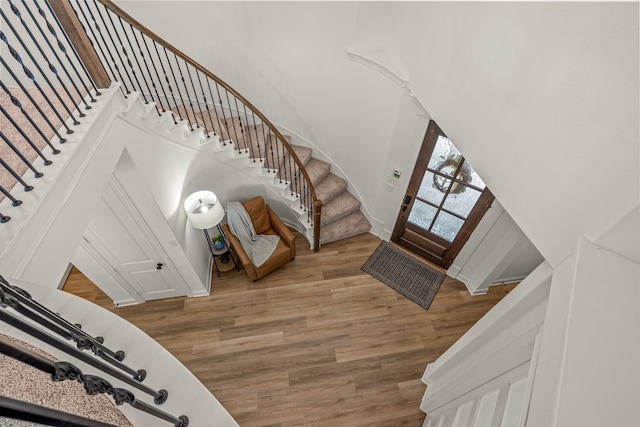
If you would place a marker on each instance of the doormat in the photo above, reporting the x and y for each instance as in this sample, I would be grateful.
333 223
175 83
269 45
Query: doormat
411 277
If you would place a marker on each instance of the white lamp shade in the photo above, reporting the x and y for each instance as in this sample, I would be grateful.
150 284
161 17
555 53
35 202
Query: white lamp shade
204 210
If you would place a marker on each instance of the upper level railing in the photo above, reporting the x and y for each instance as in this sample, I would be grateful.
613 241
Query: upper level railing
19 310
87 44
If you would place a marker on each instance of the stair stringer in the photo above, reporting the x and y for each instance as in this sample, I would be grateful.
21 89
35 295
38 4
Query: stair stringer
144 116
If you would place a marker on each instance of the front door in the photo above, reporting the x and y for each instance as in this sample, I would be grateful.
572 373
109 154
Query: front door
444 202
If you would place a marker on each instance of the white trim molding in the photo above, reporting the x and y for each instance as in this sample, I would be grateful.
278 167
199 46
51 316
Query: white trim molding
378 60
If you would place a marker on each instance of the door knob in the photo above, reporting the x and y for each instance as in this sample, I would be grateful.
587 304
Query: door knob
159 266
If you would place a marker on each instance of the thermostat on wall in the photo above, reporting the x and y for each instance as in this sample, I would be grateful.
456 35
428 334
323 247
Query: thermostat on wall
393 175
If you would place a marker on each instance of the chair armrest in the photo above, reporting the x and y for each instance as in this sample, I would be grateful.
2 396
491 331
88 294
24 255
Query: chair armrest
239 250
283 231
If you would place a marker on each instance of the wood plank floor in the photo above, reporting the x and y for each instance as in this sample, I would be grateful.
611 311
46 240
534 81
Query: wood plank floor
317 342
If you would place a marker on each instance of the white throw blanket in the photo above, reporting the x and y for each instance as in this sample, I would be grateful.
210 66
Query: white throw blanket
258 247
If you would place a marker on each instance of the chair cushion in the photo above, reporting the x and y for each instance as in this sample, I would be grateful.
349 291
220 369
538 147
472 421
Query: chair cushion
257 210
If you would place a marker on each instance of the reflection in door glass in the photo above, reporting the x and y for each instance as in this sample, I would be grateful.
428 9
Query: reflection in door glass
442 153
428 191
447 226
422 214
462 203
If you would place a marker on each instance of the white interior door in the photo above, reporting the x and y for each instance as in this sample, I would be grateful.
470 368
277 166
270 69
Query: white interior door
121 237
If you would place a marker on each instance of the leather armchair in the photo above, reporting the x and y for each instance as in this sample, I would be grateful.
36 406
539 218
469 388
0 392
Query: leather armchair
265 221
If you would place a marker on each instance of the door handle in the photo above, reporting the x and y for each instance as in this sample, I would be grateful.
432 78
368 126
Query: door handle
404 208
159 266
407 200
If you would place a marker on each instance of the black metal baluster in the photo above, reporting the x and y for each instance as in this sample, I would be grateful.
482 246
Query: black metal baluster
64 50
35 104
166 55
26 299
252 135
144 59
124 31
83 341
206 105
195 93
20 155
126 90
155 68
63 371
46 39
186 89
236 141
269 138
112 42
51 67
160 396
64 33
4 218
166 78
124 50
14 201
284 163
235 129
104 59
292 176
215 110
47 162
41 415
17 103
255 132
30 75
26 186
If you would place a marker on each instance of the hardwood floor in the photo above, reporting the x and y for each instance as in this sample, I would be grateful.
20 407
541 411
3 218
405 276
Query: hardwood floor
317 342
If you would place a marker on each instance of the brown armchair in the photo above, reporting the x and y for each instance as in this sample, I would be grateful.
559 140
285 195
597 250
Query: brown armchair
265 221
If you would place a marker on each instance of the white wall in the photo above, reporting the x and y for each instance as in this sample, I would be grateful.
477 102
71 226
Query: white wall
496 252
538 96
587 372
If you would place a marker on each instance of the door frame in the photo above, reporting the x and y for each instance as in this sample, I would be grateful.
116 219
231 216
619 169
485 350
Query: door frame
432 244
94 247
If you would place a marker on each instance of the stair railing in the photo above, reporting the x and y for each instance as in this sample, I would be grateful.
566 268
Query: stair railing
13 312
73 332
61 371
31 68
112 43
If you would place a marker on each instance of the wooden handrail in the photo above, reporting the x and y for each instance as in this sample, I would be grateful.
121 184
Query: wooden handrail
317 204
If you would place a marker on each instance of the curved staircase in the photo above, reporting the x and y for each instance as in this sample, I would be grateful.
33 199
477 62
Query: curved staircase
341 214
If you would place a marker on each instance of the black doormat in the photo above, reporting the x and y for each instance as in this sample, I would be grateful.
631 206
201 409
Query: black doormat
404 273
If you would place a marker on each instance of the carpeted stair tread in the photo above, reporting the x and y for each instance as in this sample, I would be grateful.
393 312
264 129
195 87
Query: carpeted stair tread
209 121
340 206
280 156
303 153
330 187
236 128
317 170
348 226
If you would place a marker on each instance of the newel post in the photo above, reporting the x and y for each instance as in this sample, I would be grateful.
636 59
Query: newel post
317 215
69 21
